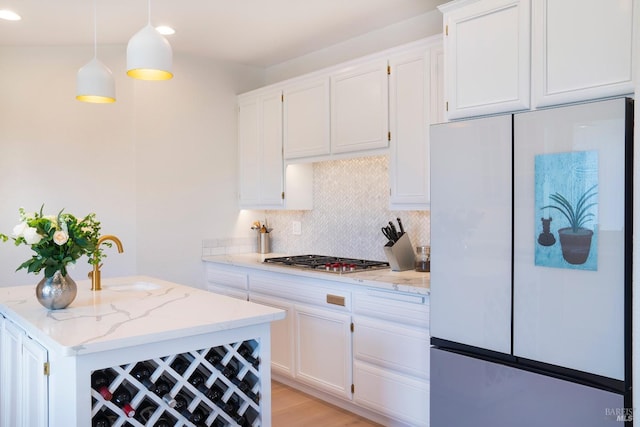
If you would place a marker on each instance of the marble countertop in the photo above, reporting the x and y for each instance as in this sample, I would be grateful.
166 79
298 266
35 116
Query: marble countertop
128 311
406 281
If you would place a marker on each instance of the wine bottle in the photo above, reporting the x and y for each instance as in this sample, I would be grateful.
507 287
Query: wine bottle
231 407
122 398
145 411
198 381
100 382
163 422
100 420
142 372
198 416
246 387
214 393
246 351
230 370
214 356
163 388
182 405
180 364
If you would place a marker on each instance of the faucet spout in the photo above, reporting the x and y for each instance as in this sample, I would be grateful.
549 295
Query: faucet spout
95 274
112 238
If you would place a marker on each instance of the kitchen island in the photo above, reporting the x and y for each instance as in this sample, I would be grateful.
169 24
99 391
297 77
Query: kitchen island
48 359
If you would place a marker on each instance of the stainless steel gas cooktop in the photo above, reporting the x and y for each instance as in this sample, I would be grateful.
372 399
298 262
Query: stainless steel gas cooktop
330 264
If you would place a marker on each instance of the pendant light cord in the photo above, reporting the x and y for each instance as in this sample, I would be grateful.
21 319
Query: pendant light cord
95 30
149 12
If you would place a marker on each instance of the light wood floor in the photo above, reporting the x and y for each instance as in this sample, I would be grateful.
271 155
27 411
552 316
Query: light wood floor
292 408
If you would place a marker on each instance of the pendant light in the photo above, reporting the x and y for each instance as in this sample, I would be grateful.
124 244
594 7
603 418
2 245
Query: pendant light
94 82
149 55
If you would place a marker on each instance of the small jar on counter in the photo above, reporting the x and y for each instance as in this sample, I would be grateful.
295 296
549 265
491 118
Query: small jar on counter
423 258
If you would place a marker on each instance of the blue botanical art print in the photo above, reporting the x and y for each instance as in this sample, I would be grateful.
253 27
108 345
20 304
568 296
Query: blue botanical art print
566 210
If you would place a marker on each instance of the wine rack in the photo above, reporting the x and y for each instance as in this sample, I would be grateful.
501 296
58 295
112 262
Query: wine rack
213 387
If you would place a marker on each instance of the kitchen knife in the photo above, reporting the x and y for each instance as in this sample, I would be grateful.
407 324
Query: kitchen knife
400 225
394 232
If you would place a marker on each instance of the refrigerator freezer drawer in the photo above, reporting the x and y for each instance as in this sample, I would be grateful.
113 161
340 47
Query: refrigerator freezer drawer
466 391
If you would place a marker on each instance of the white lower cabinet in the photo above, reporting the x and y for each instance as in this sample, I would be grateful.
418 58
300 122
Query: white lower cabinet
391 354
324 350
361 348
23 380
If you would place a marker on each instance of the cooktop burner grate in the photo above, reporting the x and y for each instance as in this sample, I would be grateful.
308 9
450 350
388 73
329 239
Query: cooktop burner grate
328 263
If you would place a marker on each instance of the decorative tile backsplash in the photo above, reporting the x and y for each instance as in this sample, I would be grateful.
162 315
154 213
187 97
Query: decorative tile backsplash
350 205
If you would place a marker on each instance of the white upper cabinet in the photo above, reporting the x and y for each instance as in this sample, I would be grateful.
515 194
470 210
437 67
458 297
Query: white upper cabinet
265 181
307 119
409 102
487 55
260 150
581 55
510 55
360 108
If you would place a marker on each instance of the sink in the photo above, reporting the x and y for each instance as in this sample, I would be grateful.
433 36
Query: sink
135 286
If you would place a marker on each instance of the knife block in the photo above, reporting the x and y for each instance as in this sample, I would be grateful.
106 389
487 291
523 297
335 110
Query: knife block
400 255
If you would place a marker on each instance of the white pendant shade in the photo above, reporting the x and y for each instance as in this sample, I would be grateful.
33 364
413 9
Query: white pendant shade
149 56
94 83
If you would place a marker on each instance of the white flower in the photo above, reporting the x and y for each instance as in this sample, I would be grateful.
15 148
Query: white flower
60 237
18 230
31 236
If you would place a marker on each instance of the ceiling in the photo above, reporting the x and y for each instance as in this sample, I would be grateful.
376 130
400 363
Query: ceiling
252 32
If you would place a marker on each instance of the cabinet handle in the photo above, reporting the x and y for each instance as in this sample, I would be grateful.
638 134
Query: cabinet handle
335 300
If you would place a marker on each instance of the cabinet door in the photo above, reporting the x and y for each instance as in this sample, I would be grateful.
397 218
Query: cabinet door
10 397
248 151
392 394
34 384
307 119
581 57
409 100
23 384
487 57
359 108
270 129
282 338
261 168
323 341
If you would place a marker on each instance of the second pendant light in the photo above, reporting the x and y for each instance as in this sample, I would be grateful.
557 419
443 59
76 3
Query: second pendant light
149 54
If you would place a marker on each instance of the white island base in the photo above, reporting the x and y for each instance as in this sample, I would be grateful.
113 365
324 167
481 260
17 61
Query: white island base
47 358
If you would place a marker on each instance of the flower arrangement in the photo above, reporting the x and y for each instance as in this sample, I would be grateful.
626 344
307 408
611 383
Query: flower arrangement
57 240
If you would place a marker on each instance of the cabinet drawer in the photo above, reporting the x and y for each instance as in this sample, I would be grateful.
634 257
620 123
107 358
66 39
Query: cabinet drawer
404 349
224 277
304 290
410 309
391 394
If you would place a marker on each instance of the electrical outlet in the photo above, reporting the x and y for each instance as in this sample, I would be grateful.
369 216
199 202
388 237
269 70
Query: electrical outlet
296 228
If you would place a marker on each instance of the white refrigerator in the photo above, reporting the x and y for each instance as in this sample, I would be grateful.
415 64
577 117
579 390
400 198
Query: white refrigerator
531 268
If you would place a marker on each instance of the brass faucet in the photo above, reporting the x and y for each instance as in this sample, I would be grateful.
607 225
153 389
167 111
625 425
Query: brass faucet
95 274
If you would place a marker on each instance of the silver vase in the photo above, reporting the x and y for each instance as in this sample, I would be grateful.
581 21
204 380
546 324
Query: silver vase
56 292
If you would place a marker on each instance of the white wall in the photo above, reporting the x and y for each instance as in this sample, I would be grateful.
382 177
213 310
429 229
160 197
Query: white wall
418 27
186 157
158 167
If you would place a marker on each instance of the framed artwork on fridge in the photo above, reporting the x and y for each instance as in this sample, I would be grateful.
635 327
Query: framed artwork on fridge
566 200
